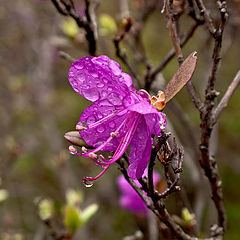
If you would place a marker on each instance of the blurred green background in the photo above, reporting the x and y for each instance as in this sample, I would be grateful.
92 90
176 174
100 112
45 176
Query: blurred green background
38 105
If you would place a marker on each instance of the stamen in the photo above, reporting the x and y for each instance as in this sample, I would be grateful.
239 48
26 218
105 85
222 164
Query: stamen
84 150
108 117
123 145
114 134
81 126
93 155
72 149
99 148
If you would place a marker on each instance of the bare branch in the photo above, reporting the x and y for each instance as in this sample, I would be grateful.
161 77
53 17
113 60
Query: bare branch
227 96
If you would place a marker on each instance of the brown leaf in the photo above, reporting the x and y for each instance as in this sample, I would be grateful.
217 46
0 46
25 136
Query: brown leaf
181 77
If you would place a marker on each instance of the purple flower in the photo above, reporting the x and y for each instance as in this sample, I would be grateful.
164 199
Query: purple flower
119 116
129 199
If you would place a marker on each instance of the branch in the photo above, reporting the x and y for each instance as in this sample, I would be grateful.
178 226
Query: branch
67 8
122 55
228 94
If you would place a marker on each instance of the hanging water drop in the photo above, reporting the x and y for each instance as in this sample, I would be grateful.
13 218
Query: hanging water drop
87 183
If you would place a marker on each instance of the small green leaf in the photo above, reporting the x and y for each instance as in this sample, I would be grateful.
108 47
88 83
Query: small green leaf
45 209
88 213
107 24
70 28
3 195
73 219
74 198
187 216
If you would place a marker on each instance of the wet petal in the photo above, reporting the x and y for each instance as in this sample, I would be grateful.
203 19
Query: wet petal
98 78
155 122
97 135
140 152
143 107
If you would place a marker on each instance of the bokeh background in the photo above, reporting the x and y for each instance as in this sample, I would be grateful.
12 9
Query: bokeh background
38 105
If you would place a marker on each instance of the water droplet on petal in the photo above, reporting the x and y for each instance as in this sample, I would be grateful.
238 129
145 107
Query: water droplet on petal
78 65
115 99
91 95
112 124
100 85
115 67
81 77
127 101
126 79
99 115
105 102
87 183
100 129
105 80
91 119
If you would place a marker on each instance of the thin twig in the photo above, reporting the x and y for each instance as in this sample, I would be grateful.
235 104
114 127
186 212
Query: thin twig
227 96
67 8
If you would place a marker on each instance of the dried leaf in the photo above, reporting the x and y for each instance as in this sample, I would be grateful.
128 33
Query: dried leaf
181 77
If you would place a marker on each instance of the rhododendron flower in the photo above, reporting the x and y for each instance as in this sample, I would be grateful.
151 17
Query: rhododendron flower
119 116
129 199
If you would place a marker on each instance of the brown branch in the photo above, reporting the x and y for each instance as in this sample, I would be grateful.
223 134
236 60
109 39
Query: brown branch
207 162
227 96
158 208
208 20
178 51
149 79
122 55
67 8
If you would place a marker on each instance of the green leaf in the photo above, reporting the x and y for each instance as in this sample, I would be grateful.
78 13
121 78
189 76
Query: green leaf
45 209
72 219
70 28
74 198
88 213
3 195
107 24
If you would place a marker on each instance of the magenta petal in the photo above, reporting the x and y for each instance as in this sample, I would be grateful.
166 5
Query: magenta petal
129 199
98 78
99 134
143 107
140 152
155 122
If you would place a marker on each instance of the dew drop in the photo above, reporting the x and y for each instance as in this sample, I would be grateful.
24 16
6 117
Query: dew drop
126 79
100 129
105 80
105 102
81 77
91 95
115 67
115 99
99 115
91 119
112 124
127 101
94 74
100 85
78 65
87 183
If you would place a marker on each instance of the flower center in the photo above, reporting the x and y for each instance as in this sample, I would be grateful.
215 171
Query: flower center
158 101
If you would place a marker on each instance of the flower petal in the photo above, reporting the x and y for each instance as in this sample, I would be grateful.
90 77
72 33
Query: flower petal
97 135
98 78
143 107
155 122
140 152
